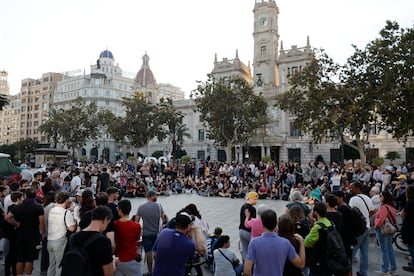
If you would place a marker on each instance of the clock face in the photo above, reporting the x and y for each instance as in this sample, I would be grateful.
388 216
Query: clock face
263 21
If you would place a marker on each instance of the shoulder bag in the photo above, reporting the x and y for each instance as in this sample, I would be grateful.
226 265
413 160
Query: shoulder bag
388 228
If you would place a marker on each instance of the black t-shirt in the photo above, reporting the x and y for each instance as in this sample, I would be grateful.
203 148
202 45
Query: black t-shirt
99 252
104 177
114 210
347 225
337 219
87 218
243 216
28 214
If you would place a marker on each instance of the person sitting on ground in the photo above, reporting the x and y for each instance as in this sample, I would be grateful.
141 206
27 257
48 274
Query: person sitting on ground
226 262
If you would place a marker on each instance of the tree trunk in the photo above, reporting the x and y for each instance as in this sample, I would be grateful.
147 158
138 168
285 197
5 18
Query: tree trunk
227 149
174 151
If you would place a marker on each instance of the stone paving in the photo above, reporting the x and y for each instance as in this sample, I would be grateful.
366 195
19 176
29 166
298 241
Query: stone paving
224 212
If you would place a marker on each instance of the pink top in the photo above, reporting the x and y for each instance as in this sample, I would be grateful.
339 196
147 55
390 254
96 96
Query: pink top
383 213
256 225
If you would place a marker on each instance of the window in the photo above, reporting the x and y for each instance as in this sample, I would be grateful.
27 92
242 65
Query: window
201 134
107 102
294 155
294 130
201 154
263 51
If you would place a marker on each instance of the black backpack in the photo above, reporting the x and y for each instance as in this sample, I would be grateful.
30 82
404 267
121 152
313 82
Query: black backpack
358 221
337 260
75 261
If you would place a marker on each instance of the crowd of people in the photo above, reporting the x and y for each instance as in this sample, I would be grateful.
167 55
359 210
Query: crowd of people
62 208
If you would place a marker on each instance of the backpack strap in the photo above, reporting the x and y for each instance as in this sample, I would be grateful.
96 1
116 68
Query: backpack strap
227 258
366 205
389 213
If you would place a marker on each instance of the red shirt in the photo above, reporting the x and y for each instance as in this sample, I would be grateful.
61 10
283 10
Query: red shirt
127 234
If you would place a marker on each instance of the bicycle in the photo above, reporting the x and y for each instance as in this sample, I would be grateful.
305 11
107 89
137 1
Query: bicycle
397 239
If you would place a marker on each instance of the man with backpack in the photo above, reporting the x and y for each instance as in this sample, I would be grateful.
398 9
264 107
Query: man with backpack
90 252
327 254
364 204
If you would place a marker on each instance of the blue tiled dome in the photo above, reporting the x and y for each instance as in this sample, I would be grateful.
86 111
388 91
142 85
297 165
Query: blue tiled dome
106 54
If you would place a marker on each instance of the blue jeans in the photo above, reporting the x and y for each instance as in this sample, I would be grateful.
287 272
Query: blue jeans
387 252
128 268
363 245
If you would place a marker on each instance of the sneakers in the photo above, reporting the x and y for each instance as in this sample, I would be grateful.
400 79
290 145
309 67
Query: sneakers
380 273
393 272
409 268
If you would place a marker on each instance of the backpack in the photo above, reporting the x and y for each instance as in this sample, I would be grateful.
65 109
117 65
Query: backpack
211 245
358 221
337 259
77 255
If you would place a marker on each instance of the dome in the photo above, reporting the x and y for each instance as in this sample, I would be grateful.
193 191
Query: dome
106 54
145 76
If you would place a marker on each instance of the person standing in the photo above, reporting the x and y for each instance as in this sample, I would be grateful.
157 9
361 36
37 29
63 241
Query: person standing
28 217
244 232
318 257
387 210
173 248
127 234
364 204
268 253
99 252
75 183
151 212
60 220
407 229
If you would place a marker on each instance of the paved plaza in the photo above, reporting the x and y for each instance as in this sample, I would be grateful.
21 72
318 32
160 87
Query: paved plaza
224 212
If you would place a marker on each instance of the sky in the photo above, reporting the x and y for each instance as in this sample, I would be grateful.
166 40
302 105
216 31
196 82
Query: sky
181 37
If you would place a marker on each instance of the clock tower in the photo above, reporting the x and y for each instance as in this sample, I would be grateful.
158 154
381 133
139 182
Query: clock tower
266 37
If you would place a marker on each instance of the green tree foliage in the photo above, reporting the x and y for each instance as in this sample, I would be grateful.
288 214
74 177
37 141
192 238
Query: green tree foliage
26 146
80 123
141 122
329 100
53 125
389 71
230 110
172 119
392 155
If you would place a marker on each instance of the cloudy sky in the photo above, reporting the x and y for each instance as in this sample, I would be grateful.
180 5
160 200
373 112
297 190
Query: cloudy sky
181 37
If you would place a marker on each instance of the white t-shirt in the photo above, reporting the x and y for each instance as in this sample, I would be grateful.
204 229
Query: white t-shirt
7 203
75 183
56 223
358 201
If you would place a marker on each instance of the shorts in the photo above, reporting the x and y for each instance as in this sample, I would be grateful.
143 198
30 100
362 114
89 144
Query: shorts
148 242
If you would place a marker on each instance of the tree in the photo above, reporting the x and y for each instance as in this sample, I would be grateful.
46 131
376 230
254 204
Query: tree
392 155
80 123
175 129
389 69
371 88
26 146
141 122
230 110
52 126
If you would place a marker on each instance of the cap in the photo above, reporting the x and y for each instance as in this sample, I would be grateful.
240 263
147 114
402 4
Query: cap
252 195
183 219
402 176
338 193
151 194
